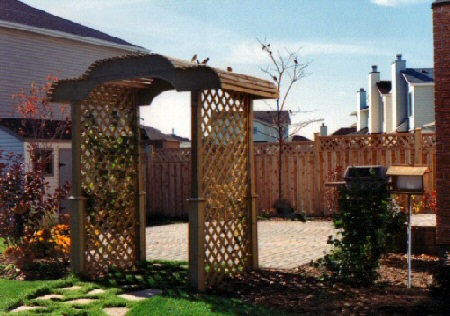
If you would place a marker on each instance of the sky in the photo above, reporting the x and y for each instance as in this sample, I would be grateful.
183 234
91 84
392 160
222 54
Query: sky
340 39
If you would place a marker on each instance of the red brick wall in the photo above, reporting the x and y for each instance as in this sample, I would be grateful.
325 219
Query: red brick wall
441 30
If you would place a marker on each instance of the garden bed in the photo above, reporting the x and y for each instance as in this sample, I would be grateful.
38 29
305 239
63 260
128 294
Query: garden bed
309 290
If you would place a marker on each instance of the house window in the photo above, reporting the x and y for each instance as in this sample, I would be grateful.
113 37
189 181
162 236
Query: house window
44 160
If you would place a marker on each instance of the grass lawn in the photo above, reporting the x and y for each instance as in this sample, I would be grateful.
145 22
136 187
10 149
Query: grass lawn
171 277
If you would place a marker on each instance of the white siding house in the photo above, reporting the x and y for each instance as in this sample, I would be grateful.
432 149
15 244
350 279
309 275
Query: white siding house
35 44
265 127
400 105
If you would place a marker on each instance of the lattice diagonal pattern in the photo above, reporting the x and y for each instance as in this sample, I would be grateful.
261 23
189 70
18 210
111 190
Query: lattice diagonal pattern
224 151
109 163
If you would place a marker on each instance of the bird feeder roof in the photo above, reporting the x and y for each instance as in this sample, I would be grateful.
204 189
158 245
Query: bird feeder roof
153 73
407 171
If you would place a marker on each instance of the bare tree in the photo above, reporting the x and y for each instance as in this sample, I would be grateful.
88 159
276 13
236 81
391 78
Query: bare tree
286 70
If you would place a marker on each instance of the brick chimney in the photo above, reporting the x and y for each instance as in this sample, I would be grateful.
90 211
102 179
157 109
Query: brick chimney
441 31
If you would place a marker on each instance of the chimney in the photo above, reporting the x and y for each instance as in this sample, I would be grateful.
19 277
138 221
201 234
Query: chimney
362 114
399 95
173 131
323 130
374 101
441 25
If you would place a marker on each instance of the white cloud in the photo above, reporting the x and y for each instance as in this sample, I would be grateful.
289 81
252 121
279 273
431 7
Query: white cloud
250 52
397 3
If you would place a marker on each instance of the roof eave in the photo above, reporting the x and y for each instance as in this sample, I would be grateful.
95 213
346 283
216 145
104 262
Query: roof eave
59 34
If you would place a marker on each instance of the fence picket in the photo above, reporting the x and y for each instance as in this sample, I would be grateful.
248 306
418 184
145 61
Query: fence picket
304 172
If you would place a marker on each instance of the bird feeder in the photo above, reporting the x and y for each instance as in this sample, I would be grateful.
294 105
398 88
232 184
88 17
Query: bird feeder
409 179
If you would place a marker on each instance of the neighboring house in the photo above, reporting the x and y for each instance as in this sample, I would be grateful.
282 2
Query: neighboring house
300 138
344 131
265 125
400 105
53 139
184 141
35 44
154 137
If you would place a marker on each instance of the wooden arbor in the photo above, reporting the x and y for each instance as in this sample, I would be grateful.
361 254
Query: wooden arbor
107 203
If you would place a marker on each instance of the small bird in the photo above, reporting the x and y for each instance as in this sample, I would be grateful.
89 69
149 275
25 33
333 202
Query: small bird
229 69
204 62
194 58
296 61
275 78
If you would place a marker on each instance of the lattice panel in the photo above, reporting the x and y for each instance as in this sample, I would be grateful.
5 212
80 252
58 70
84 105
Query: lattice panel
109 169
224 151
374 142
429 140
171 154
289 148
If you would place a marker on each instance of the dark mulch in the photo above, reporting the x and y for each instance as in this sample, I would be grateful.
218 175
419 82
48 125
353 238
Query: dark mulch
309 290
39 269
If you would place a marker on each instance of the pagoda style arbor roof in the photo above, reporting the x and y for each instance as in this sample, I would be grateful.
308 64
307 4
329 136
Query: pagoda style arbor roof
153 74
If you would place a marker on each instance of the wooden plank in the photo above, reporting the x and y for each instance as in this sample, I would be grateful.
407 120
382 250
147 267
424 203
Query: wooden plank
292 180
172 194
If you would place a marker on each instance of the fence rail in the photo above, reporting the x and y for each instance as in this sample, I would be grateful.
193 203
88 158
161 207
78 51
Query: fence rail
305 168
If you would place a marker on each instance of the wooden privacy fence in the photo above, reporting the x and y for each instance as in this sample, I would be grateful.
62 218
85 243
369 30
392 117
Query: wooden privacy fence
305 168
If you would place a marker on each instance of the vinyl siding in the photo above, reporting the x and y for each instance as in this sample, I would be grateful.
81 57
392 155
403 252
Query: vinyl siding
55 145
423 105
26 57
265 133
10 143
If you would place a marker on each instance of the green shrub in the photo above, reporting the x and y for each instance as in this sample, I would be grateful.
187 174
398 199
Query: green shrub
368 224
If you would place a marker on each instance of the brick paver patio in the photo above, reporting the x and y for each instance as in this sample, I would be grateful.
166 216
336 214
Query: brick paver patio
282 244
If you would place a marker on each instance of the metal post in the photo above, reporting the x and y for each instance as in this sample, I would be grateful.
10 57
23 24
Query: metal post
409 240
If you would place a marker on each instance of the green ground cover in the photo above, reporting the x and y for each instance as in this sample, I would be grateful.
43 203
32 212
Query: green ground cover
170 277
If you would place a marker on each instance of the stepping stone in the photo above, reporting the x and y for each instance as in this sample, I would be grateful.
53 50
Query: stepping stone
96 291
72 288
82 301
116 311
24 308
140 295
49 297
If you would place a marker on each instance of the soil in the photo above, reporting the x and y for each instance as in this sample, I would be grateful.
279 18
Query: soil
309 290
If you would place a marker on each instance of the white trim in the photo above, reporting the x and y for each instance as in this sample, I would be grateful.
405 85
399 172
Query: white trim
424 84
59 34
421 84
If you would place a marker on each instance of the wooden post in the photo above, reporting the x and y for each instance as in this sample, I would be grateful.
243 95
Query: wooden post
252 197
77 201
317 174
418 145
142 221
197 272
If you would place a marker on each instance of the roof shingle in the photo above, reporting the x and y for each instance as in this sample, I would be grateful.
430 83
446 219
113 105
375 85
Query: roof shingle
14 11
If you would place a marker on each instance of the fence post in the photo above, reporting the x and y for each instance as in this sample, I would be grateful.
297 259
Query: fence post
317 174
418 145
